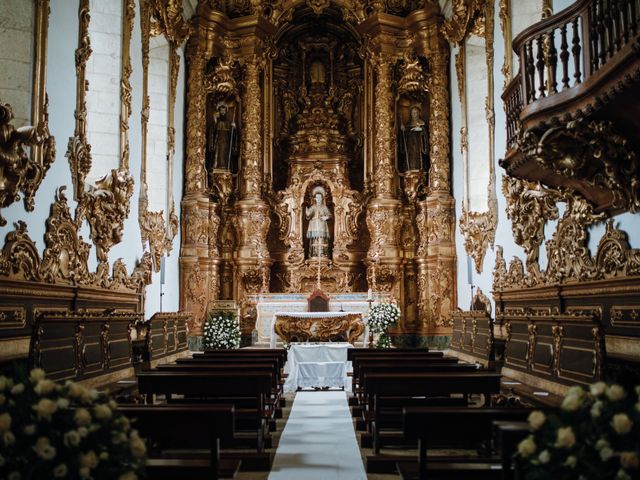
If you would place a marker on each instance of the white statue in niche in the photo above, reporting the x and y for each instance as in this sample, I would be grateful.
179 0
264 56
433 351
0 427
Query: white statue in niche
318 215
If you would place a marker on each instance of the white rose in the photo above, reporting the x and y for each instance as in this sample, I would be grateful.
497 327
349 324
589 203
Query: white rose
544 456
45 408
36 375
44 449
622 475
629 460
104 456
17 389
82 417
76 390
572 402
29 429
596 409
606 453
536 419
5 422
72 438
128 476
602 443
571 461
44 387
565 438
89 459
102 412
83 432
527 446
137 446
621 423
60 471
616 393
8 438
598 389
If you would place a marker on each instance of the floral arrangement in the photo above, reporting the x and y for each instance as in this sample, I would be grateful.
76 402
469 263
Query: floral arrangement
51 430
595 434
380 318
221 330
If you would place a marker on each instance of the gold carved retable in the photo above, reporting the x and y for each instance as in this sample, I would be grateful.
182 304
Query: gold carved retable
293 328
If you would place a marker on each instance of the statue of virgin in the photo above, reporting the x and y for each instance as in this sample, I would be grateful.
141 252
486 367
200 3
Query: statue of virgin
318 215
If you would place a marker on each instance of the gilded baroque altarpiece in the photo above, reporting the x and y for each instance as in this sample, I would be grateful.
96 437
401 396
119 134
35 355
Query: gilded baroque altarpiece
297 112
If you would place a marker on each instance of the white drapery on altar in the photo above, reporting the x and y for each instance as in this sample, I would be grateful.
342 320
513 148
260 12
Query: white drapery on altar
318 365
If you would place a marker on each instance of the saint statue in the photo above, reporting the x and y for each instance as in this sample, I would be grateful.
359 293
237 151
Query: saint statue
414 141
221 140
318 215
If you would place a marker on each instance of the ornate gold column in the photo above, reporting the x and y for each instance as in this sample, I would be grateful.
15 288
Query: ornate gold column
384 213
436 255
252 218
199 256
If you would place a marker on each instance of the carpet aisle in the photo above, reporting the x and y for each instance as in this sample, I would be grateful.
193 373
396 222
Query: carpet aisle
318 441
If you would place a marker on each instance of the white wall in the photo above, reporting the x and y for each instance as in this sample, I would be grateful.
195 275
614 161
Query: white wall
61 87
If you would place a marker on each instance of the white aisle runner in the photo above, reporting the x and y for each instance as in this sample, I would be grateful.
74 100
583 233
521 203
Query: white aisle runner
318 441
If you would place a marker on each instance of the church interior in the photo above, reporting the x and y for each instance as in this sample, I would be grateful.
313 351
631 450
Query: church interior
300 239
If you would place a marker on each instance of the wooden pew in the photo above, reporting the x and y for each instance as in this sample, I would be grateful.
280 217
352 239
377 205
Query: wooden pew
354 353
181 428
443 426
251 353
397 360
269 366
243 389
407 367
399 384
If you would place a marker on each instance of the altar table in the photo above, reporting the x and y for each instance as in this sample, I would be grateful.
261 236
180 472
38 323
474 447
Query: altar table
318 365
316 327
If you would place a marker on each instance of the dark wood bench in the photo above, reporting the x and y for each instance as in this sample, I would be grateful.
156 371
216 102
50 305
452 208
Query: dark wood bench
442 427
431 384
357 351
172 432
279 354
393 414
269 366
248 391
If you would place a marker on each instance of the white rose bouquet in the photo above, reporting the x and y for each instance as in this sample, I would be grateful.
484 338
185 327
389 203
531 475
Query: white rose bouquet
221 330
51 430
380 318
595 434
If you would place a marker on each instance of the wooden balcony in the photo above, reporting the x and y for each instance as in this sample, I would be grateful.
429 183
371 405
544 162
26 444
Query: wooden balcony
573 110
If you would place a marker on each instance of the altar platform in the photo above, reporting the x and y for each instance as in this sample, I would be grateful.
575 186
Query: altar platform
268 304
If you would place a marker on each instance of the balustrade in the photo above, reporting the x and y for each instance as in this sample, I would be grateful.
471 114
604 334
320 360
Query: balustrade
569 47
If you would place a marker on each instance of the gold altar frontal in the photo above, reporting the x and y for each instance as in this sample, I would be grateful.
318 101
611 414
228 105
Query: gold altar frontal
319 327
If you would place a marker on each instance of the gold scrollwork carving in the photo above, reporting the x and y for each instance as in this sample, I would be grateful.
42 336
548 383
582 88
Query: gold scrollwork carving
78 148
19 173
291 328
66 255
529 207
106 207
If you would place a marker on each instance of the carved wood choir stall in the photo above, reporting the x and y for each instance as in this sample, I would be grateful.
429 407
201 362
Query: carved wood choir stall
571 139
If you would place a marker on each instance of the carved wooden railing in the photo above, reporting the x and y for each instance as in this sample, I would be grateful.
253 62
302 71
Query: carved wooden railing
562 57
512 98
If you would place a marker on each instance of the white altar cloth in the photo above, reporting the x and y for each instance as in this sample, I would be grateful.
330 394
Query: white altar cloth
274 338
317 365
